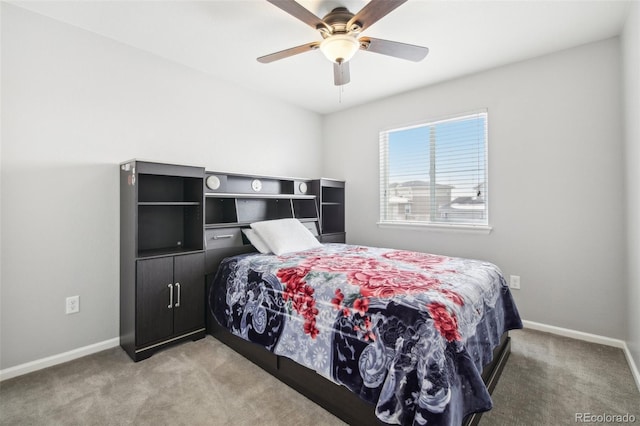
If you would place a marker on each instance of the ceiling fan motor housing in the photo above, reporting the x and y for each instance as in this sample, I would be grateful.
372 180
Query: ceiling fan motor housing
338 19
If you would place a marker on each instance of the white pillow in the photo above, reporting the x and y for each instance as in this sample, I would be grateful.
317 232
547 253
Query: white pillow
285 235
256 241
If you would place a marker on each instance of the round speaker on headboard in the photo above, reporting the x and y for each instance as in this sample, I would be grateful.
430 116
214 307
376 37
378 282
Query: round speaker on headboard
213 182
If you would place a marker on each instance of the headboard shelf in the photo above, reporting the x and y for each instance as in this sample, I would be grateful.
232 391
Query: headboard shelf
259 195
247 224
239 184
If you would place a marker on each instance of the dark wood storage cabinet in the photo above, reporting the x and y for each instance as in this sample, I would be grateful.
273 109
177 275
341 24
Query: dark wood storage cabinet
170 292
330 200
161 256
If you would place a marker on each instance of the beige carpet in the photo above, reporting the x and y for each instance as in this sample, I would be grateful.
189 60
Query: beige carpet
549 379
546 381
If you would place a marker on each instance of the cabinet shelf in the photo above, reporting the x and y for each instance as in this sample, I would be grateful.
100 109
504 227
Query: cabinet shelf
169 203
162 225
146 254
158 188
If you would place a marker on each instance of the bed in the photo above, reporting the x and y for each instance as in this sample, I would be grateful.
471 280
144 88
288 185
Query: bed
373 335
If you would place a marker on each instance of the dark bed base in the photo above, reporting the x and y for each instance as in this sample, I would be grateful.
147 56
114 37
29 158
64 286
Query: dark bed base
336 399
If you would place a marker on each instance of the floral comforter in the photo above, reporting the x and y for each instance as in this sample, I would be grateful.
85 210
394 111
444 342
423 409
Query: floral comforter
408 332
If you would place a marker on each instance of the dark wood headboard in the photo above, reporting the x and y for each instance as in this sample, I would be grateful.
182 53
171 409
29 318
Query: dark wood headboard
234 201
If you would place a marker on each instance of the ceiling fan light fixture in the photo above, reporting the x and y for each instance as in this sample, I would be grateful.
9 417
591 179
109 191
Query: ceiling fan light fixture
339 48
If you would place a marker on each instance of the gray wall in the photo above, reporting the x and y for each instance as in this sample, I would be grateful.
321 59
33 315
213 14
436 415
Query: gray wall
631 63
555 174
74 105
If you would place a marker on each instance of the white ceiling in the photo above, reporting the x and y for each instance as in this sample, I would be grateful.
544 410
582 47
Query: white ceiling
224 38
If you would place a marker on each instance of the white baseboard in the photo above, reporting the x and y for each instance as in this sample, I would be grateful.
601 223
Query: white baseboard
579 335
588 337
50 361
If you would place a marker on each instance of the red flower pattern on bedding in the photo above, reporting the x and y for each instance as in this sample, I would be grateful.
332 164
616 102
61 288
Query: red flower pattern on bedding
423 260
446 323
337 301
387 283
361 305
301 296
452 295
362 322
374 278
335 263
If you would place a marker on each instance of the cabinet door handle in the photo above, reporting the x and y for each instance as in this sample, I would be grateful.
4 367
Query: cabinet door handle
219 237
177 305
170 296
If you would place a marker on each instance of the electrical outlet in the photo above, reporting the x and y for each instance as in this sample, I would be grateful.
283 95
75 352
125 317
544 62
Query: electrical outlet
73 305
514 282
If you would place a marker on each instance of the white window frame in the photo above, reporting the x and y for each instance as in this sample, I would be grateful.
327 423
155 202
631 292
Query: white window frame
431 224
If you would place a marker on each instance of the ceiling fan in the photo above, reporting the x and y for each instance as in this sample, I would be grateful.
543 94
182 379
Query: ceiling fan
340 30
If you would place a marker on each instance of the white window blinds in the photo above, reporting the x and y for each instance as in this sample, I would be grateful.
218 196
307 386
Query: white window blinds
435 172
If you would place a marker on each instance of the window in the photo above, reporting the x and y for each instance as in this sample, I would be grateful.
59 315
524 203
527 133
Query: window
435 173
